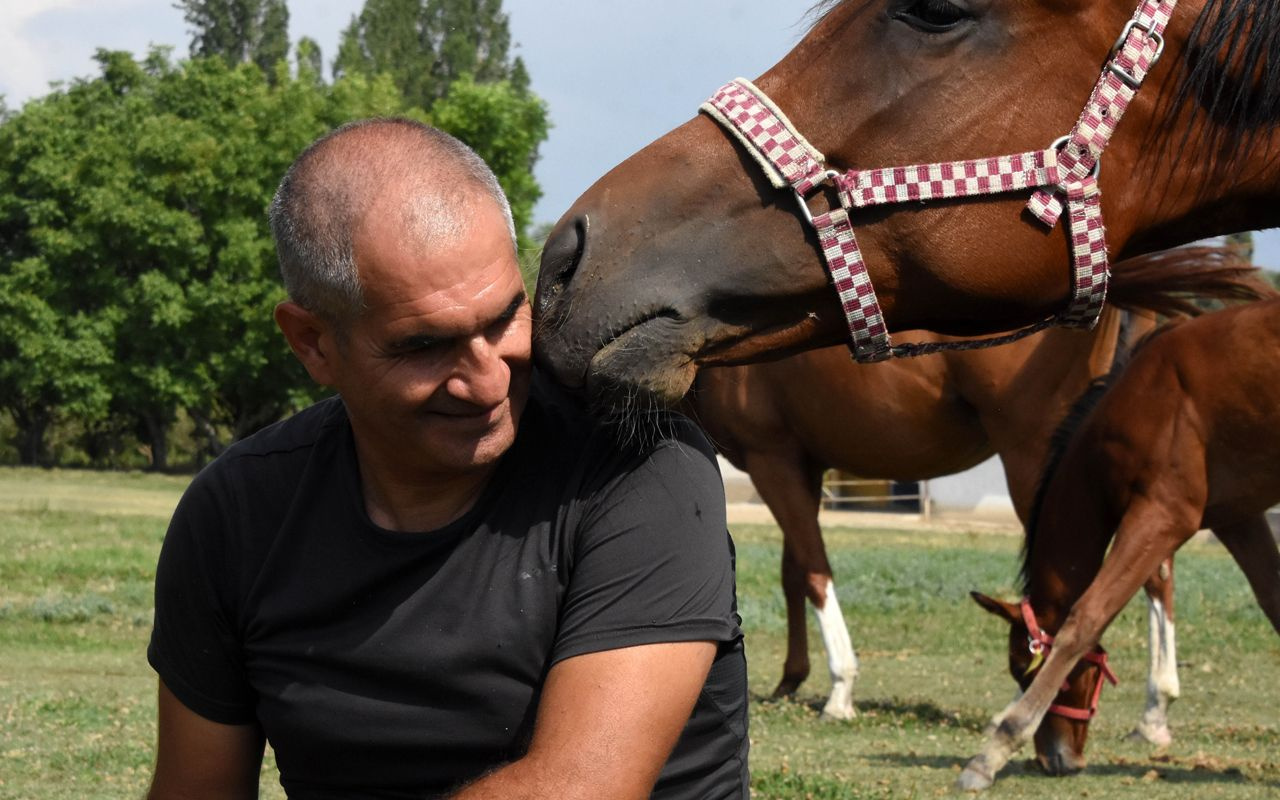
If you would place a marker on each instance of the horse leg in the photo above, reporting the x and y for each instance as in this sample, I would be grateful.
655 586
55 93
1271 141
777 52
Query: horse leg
792 493
795 669
1253 547
842 661
1162 673
1147 535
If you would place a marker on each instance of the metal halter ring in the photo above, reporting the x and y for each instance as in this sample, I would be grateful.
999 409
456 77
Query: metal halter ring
1064 140
827 177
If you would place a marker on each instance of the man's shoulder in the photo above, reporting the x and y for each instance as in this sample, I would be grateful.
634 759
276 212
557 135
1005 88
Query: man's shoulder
298 432
276 453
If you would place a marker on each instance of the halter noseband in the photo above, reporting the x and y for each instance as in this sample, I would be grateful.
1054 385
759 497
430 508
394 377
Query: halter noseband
1039 643
1065 173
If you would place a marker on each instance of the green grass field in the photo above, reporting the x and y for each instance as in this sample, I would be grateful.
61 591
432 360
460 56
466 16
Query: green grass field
77 701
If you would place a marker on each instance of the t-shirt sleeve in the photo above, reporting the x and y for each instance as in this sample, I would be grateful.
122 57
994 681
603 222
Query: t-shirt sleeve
653 560
194 647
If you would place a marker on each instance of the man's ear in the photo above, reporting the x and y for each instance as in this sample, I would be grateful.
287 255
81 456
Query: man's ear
310 338
1011 612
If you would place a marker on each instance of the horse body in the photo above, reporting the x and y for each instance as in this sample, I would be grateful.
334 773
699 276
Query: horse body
1187 437
785 422
685 256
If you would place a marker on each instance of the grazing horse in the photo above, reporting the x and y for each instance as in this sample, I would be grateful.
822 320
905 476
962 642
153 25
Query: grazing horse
690 254
923 418
1188 436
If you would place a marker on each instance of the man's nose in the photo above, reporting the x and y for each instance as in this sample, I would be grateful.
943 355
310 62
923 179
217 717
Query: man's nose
482 377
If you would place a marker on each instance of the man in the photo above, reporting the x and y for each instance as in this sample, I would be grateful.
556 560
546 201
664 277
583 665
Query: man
442 582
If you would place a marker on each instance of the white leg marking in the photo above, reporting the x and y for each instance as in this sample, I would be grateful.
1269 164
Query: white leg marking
841 660
1162 676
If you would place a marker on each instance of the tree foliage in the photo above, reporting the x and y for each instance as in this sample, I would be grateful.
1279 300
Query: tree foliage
426 45
137 273
239 31
452 59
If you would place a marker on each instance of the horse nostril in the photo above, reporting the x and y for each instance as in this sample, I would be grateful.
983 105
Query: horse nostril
560 258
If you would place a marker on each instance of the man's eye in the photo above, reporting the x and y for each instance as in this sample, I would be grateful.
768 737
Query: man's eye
932 16
420 349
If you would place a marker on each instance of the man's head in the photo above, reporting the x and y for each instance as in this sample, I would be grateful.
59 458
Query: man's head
398 252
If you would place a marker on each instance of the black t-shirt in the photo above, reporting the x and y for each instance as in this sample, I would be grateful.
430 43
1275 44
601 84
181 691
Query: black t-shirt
388 664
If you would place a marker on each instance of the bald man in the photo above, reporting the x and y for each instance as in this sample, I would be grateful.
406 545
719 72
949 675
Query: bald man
443 581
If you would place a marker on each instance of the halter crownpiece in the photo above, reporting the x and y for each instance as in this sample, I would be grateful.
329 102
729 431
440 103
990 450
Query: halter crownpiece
1063 174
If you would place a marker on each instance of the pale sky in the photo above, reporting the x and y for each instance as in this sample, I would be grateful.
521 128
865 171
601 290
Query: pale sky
615 75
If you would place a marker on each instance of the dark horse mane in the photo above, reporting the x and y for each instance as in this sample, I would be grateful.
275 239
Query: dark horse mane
1065 432
1230 74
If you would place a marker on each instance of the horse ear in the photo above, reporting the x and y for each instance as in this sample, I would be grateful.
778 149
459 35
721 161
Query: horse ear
1011 612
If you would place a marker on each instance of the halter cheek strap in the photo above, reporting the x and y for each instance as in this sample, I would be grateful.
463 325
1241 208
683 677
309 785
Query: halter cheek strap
1039 643
1064 175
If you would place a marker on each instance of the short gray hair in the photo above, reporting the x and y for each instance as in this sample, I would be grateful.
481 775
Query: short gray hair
331 186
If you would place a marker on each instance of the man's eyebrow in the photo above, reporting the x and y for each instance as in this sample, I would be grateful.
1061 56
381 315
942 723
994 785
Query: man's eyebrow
514 306
420 341
417 341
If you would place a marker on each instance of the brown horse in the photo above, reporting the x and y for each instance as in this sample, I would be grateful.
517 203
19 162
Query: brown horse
923 418
1188 436
686 255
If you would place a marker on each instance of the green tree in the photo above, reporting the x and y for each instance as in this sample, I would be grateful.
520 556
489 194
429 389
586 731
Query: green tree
137 273
1241 243
238 31
505 126
452 59
426 45
310 60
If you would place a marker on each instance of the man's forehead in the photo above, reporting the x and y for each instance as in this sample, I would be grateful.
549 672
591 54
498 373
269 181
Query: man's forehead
427 213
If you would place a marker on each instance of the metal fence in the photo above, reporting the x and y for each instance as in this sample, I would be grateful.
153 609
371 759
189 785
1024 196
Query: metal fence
843 492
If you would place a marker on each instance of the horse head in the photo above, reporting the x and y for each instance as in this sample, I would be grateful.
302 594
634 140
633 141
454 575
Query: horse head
1061 736
686 255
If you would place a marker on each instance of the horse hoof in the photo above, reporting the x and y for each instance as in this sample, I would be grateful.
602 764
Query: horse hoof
786 688
842 713
1160 737
973 780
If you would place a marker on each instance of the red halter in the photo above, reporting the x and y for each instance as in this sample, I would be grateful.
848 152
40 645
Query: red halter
1039 642
1067 171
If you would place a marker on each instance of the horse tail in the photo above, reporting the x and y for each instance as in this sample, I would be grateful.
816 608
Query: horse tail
1186 281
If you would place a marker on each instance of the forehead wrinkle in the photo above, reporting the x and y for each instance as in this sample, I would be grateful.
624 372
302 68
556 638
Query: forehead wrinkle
460 305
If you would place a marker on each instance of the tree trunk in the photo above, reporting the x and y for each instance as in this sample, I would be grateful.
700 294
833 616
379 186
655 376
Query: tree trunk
33 424
158 439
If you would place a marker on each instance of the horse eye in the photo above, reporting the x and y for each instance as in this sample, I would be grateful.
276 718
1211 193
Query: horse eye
932 16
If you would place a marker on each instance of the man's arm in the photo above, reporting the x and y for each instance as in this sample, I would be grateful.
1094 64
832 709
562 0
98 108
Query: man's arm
607 722
198 759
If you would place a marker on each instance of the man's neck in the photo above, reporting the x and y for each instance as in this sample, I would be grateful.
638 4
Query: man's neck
403 500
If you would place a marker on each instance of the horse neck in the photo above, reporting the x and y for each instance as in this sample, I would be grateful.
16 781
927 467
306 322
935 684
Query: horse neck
1183 199
1193 176
1072 531
1021 391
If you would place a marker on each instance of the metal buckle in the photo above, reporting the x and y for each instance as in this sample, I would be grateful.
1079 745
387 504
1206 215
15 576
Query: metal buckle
827 177
1128 78
1097 162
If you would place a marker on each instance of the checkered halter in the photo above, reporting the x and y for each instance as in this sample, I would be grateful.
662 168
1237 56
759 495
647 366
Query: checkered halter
1063 175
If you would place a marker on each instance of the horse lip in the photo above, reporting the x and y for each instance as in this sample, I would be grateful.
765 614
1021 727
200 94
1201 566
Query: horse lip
745 346
635 328
577 379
